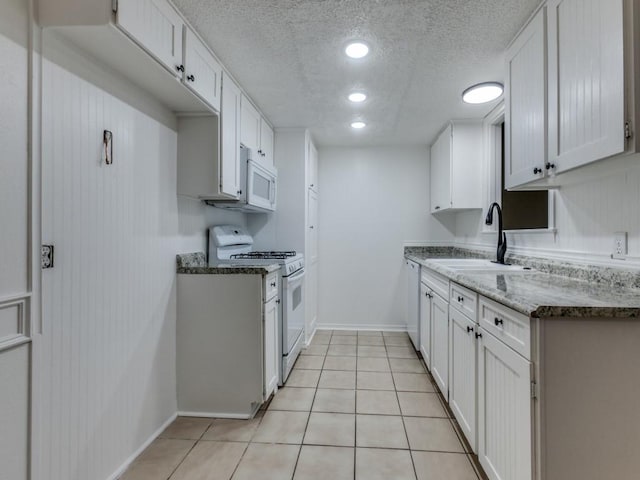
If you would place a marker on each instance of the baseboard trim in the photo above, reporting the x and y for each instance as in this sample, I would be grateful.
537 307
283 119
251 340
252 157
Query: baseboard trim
116 475
360 326
239 416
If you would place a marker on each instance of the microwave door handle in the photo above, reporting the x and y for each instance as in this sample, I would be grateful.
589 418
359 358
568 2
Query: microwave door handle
273 192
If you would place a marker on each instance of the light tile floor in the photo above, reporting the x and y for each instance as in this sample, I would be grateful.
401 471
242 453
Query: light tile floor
357 406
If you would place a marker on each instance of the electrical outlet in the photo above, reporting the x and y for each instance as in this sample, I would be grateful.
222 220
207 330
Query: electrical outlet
619 245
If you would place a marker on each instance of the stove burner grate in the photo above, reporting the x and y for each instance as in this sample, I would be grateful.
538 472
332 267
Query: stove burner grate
266 255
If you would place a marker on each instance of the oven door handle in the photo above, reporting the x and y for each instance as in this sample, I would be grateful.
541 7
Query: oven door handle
295 276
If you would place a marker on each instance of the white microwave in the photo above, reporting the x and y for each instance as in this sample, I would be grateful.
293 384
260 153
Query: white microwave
258 186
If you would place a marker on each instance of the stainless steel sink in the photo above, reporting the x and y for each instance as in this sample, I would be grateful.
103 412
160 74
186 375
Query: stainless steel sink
477 265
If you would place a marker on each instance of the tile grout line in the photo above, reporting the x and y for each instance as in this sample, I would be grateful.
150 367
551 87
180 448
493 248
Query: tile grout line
315 393
189 451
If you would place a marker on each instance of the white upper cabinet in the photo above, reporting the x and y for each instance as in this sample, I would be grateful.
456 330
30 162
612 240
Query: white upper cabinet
456 164
250 125
202 72
256 133
156 26
266 142
586 81
230 138
526 104
312 167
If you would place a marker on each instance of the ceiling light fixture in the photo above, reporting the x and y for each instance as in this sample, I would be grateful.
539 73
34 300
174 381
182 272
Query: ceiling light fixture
357 97
482 93
356 50
358 125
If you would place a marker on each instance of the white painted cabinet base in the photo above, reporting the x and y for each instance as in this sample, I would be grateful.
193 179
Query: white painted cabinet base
220 345
504 406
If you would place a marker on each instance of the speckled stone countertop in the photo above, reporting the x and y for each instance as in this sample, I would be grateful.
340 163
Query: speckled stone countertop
554 289
196 264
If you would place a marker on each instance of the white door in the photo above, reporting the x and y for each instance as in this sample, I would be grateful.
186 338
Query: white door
526 104
271 346
266 143
230 133
586 81
157 27
463 373
249 125
440 343
202 73
504 411
441 172
425 324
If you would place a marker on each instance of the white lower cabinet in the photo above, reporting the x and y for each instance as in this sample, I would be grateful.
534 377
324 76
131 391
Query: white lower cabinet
504 410
440 343
270 346
426 295
463 373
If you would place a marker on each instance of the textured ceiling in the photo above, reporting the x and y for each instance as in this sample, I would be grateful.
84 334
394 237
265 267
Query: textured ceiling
288 56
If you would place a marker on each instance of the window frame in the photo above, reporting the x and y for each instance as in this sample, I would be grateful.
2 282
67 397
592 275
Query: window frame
492 154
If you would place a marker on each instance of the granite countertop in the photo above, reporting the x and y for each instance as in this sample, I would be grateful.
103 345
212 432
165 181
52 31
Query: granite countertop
541 294
196 264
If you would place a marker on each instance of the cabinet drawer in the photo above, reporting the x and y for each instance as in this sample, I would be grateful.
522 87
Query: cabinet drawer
436 282
464 300
271 286
509 326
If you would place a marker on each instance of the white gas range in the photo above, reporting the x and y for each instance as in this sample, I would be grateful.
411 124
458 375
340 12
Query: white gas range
232 245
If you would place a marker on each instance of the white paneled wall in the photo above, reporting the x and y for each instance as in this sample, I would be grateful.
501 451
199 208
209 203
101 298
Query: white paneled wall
106 367
587 215
373 201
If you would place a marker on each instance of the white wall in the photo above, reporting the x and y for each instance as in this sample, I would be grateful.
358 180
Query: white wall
587 215
372 201
194 220
105 368
15 278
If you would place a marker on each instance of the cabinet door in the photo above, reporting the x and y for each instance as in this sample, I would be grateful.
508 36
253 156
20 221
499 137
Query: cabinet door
266 142
249 125
230 148
312 223
270 346
586 81
462 373
526 104
311 299
504 411
312 167
440 178
202 73
156 26
440 343
425 324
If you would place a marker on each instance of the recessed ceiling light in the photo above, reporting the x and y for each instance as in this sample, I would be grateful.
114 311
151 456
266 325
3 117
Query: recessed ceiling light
356 50
482 93
358 125
357 97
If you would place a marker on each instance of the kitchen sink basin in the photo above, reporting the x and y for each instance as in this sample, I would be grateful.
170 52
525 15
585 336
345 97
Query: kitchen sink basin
477 265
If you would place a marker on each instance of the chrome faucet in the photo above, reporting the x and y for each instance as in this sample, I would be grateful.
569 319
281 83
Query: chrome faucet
502 237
